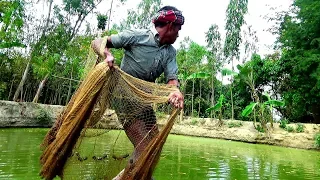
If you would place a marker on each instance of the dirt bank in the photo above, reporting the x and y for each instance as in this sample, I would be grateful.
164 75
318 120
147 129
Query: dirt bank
26 114
13 114
247 133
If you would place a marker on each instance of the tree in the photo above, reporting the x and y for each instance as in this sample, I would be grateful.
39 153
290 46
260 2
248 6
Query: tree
193 64
262 110
299 41
11 23
11 20
77 8
213 39
142 16
218 107
235 19
197 75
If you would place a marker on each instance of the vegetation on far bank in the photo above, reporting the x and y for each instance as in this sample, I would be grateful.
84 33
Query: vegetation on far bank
43 59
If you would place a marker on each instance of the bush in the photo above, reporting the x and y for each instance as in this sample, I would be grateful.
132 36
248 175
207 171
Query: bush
43 118
260 128
317 140
283 123
194 121
300 128
289 129
235 124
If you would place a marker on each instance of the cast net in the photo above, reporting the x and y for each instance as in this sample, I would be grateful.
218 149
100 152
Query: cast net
89 140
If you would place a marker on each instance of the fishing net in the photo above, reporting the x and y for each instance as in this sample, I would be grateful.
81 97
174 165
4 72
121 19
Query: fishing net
89 140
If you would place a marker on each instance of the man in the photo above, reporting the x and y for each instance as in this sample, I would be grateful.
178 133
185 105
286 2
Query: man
147 56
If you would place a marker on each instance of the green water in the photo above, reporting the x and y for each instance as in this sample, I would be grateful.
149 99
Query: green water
183 158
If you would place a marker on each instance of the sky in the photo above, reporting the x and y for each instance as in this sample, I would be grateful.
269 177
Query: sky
200 14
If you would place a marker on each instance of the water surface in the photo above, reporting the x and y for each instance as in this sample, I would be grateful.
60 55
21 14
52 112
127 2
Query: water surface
183 158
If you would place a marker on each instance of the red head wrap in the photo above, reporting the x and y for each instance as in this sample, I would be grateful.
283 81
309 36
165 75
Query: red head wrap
169 16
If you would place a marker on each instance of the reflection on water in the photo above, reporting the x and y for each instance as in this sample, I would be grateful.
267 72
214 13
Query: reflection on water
182 158
203 158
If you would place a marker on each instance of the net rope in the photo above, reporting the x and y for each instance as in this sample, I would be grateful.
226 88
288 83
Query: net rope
110 111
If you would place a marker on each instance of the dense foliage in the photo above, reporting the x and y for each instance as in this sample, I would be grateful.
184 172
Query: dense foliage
42 58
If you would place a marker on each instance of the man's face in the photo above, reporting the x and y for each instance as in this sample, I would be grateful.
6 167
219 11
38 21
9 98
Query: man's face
172 33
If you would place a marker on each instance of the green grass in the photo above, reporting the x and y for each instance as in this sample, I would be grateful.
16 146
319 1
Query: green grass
317 140
235 124
300 128
289 129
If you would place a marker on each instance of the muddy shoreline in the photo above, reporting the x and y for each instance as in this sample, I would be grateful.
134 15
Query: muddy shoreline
24 114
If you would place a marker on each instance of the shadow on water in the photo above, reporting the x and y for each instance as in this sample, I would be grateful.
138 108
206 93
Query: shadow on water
182 158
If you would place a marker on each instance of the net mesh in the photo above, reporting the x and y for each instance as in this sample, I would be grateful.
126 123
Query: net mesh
109 125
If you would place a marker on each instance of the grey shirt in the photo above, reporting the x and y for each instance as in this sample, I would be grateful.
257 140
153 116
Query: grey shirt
143 57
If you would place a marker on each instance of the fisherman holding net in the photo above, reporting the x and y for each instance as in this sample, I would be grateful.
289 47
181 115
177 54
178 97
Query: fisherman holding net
146 56
130 91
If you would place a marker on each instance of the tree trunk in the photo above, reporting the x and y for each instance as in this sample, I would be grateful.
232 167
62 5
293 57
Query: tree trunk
48 18
109 16
192 98
183 84
254 119
232 108
41 85
199 100
23 80
14 77
46 96
59 95
271 116
55 96
24 77
24 94
212 96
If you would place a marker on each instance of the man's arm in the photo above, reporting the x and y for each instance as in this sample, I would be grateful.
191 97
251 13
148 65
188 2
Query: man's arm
124 39
176 98
170 72
173 82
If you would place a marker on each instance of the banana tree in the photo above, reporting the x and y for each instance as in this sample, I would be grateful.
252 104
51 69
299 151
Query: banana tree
197 75
218 107
270 103
246 75
271 107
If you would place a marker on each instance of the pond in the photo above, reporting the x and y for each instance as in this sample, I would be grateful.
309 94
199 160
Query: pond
182 158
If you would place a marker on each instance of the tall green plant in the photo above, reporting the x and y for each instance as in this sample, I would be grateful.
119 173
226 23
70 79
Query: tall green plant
213 39
141 17
228 72
218 107
197 75
299 40
317 140
235 19
11 23
270 103
246 75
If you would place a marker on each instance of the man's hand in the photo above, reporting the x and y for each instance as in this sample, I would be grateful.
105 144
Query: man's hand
176 99
109 58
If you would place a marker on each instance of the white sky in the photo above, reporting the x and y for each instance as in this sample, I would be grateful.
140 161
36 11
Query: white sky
200 14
